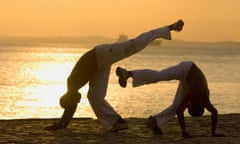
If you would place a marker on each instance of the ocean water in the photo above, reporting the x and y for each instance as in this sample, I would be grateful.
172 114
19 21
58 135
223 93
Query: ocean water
32 79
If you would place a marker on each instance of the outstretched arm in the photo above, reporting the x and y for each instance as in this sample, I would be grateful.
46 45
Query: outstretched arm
66 117
68 114
214 118
180 114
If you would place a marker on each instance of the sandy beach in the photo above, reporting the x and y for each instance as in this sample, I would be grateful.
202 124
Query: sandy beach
87 130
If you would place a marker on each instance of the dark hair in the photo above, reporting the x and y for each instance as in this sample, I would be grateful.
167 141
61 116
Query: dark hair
69 98
195 109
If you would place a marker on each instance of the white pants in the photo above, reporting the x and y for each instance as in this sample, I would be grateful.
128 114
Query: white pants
178 72
107 55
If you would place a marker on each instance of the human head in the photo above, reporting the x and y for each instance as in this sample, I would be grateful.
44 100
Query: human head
69 98
195 109
196 105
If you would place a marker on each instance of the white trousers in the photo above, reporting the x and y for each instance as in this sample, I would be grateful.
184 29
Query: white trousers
108 54
178 72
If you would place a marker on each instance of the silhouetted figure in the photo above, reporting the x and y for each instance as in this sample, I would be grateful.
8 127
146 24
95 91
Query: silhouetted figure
192 93
94 67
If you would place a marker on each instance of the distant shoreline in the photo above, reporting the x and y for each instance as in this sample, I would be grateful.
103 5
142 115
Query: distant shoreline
94 40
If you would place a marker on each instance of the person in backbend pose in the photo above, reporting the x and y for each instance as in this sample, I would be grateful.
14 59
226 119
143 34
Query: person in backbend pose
192 93
94 67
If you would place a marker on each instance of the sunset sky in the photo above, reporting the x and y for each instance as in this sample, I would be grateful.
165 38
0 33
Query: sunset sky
206 20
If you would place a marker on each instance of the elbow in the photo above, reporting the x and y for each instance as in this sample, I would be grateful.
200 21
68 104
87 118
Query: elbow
179 112
214 112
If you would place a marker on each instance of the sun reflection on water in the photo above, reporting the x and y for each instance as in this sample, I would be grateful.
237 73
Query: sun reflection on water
41 85
33 79
52 78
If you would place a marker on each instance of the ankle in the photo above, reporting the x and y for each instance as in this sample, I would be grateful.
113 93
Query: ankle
171 27
129 75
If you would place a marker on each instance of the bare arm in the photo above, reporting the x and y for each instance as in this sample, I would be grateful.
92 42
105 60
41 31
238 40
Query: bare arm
68 114
214 118
180 114
66 117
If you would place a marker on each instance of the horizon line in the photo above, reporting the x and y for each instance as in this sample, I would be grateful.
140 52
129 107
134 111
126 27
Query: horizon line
109 38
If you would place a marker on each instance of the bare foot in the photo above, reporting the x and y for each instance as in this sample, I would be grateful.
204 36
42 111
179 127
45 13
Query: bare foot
177 26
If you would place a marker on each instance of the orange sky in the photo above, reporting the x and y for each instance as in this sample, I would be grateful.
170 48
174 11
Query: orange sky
206 20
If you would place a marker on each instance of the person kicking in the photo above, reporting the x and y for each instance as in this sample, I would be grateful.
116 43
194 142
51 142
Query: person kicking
192 93
94 68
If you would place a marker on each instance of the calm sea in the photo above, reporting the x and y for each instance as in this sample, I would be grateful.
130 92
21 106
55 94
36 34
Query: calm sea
32 78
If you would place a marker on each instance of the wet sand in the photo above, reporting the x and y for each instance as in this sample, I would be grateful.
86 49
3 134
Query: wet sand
87 130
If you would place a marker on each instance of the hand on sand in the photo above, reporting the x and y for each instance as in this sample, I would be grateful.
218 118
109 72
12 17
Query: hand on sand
218 135
186 135
56 126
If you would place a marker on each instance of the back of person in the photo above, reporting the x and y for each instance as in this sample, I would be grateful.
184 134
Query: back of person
196 79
